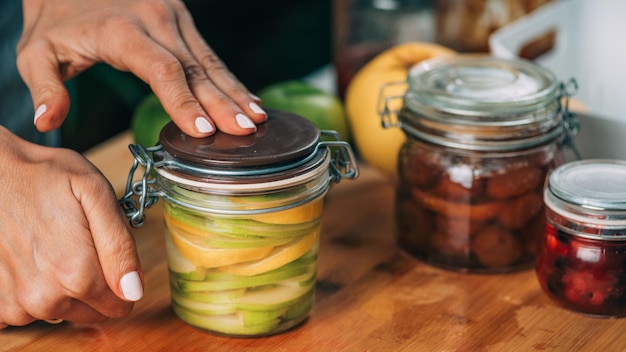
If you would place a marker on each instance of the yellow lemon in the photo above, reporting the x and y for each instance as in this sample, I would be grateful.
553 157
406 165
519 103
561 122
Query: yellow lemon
218 241
300 214
195 249
379 146
279 256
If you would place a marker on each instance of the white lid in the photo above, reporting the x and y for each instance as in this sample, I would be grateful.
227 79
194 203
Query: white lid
595 184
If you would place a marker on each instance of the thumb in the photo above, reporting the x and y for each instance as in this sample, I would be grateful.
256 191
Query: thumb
42 76
114 244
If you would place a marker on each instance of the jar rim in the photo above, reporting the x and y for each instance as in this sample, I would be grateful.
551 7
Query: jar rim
482 86
480 102
313 169
598 184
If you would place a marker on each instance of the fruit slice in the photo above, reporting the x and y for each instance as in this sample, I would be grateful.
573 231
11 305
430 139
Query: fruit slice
207 308
303 213
231 324
300 308
262 317
199 253
218 241
279 296
238 228
279 256
217 281
180 265
210 296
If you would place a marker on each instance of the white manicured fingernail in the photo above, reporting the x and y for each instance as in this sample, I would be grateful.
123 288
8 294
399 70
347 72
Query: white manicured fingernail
40 111
256 108
244 121
131 286
203 125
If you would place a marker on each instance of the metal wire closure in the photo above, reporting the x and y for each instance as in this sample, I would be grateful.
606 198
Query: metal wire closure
141 194
570 122
382 105
145 195
389 117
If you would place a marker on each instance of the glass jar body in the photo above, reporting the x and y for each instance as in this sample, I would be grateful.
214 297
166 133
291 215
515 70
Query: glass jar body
472 211
579 270
243 263
363 29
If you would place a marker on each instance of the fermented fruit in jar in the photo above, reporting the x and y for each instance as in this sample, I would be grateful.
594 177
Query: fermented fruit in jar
581 254
583 275
487 209
482 135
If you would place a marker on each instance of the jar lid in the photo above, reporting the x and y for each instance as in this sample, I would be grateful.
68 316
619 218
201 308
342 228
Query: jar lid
480 102
594 184
482 86
283 138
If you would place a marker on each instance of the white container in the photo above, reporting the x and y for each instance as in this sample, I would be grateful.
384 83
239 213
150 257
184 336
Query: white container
590 47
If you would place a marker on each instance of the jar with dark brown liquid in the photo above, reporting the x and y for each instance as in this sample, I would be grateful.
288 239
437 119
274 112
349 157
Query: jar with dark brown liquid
482 134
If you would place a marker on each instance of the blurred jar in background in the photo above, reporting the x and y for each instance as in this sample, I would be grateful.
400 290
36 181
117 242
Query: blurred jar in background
465 25
364 28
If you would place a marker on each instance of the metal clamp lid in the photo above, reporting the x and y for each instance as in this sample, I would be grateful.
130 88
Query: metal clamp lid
390 113
142 194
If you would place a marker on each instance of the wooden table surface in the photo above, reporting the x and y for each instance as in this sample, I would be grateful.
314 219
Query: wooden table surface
370 295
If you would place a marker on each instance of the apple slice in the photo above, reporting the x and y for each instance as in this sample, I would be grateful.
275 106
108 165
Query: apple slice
181 266
262 317
279 296
218 241
223 296
206 308
217 281
208 225
279 256
231 324
200 254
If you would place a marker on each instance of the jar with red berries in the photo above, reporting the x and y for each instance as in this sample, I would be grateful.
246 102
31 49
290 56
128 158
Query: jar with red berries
581 256
482 134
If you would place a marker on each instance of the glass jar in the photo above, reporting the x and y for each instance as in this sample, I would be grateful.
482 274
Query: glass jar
465 26
363 29
242 220
482 133
581 256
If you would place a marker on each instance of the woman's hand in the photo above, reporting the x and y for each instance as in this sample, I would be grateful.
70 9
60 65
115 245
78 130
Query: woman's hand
65 248
154 39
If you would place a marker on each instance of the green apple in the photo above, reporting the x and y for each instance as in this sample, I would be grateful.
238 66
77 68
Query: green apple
324 109
147 121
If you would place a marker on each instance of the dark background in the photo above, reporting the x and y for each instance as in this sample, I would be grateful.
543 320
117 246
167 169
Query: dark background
261 42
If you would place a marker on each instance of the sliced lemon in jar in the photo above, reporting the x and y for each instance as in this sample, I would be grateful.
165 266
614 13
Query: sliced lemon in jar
219 241
196 250
302 213
278 257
